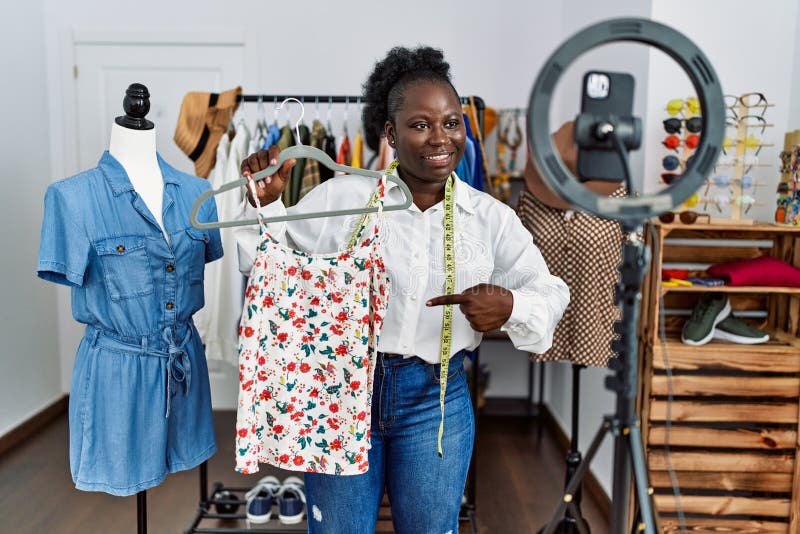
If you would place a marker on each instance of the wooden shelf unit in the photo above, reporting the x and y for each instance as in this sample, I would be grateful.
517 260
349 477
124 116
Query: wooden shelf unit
734 418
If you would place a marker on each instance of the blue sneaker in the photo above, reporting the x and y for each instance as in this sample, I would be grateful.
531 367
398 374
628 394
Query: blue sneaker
291 501
260 499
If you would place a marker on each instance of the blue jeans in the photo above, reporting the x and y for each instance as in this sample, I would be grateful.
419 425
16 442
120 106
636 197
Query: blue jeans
424 490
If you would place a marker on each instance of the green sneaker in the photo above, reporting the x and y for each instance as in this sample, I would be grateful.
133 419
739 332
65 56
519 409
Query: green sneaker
710 310
736 331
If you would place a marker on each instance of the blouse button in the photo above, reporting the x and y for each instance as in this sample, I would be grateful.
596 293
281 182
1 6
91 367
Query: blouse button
170 305
170 268
120 248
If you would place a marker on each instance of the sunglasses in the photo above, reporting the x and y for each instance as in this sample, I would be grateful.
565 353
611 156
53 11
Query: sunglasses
747 101
686 217
671 163
669 177
677 105
673 141
673 125
722 201
746 182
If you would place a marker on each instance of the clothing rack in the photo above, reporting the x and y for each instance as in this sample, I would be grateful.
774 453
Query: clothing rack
348 99
209 500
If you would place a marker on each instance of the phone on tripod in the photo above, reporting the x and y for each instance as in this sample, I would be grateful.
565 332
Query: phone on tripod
604 94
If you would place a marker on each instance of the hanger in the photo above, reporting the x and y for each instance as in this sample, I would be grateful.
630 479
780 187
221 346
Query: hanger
298 152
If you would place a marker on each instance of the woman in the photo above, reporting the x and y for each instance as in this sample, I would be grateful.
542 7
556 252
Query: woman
501 282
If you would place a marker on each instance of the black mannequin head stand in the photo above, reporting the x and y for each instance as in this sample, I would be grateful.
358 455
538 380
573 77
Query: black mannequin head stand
136 105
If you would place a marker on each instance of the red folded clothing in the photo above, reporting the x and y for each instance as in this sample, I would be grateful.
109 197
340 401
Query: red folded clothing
681 274
761 271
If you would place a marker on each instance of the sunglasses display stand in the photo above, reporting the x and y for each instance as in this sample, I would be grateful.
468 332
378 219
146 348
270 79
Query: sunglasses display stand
682 114
746 117
787 210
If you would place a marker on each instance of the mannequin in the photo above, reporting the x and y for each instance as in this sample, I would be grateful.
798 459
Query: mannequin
141 402
133 145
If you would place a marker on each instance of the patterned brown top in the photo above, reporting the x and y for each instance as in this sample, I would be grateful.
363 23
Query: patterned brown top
584 251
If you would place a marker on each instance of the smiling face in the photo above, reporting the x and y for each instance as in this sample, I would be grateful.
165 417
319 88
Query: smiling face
428 132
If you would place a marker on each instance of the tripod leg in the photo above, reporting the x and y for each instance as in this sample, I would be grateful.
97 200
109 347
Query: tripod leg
643 489
580 525
573 521
141 512
574 455
575 481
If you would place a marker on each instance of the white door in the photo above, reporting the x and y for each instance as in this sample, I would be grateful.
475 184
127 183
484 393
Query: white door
105 70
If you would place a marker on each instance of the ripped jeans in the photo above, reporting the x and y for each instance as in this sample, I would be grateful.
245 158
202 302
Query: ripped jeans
424 490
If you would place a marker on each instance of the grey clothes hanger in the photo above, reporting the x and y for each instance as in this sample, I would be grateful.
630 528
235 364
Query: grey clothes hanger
298 152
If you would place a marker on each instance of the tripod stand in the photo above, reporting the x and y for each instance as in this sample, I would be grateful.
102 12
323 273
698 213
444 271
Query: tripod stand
573 522
623 424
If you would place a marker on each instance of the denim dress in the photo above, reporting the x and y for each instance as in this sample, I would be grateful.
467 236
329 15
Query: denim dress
140 401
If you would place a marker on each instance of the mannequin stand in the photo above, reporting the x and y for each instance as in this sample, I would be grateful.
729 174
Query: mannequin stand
141 512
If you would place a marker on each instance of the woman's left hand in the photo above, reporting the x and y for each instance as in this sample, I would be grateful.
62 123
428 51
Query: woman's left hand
486 306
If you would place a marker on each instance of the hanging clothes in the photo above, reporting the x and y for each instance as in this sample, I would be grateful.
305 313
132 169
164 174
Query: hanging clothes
140 402
358 151
224 283
329 147
285 141
344 157
299 167
477 176
308 341
287 138
273 135
204 316
490 122
311 174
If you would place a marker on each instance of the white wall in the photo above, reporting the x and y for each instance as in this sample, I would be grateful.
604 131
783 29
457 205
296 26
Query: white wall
794 104
29 364
617 57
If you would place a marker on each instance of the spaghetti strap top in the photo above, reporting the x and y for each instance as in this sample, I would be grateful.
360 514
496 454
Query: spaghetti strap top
308 340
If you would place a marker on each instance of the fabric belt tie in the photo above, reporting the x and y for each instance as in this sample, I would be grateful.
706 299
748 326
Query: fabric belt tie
179 367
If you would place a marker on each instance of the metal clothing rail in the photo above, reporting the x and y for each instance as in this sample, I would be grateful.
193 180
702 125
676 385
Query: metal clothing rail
349 99
209 500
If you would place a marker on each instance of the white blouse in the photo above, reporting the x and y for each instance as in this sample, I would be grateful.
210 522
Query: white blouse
491 246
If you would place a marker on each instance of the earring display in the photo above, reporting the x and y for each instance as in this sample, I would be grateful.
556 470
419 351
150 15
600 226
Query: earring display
787 210
510 137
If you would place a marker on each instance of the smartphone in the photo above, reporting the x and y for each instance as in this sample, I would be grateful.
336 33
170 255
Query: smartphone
604 94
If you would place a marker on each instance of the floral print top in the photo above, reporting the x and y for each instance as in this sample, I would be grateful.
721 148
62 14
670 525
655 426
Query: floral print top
307 344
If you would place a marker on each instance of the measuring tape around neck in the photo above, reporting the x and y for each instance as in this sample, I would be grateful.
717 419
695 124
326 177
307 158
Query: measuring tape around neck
449 286
449 289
